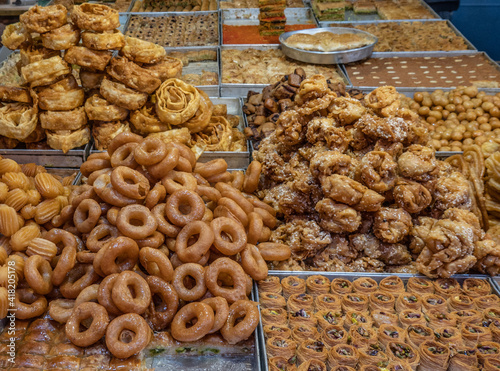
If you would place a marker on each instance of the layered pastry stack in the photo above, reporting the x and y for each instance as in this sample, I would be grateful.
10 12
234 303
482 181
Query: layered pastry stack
272 17
329 10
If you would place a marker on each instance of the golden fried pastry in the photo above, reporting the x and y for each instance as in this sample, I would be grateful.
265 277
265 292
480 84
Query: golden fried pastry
176 101
85 57
108 40
141 51
91 79
103 132
146 121
201 118
35 53
63 95
63 120
132 75
14 94
15 35
18 120
45 71
95 17
98 108
336 217
61 38
67 139
121 95
166 68
42 19
216 136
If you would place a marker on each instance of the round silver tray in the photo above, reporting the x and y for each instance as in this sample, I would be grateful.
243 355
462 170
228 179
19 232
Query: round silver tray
336 57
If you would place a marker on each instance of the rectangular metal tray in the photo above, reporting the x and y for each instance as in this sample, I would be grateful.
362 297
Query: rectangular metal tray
350 16
49 157
404 89
166 12
250 17
198 67
241 90
235 160
470 46
178 15
351 276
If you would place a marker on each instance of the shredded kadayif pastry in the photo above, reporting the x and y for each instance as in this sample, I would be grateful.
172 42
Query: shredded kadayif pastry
356 189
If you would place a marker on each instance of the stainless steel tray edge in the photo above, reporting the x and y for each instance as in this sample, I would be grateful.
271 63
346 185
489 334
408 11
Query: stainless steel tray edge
496 282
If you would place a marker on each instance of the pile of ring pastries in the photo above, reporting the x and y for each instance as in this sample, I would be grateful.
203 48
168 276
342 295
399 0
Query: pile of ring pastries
459 118
356 189
311 323
139 86
147 243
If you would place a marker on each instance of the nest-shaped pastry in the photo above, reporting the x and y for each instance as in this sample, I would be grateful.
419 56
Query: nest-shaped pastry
67 139
63 95
18 120
141 51
44 18
15 35
119 94
201 118
98 108
109 40
103 132
132 75
166 68
95 17
176 101
85 57
145 120
61 38
217 135
63 120
45 72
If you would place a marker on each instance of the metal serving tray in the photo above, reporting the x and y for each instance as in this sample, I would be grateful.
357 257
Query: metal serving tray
335 57
235 160
167 12
350 16
250 17
470 46
410 90
199 67
49 157
352 276
177 15
241 90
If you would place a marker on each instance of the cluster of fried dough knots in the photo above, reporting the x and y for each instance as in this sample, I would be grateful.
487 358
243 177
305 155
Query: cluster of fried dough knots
358 190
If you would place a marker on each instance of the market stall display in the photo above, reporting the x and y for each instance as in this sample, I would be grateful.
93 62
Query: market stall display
173 6
95 264
412 36
254 66
364 325
235 4
443 71
460 117
175 31
168 248
332 168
